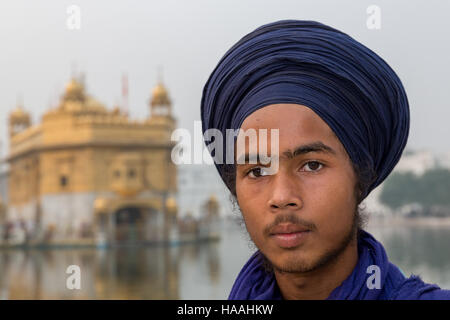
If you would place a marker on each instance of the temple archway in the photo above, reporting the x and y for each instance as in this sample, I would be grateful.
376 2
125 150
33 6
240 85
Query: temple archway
129 221
129 225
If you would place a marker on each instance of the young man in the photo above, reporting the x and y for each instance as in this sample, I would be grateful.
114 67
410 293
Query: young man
340 117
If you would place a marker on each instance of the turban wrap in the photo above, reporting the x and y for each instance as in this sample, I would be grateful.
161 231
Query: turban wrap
349 86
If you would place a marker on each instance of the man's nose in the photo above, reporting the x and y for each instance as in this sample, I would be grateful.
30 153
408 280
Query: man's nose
285 192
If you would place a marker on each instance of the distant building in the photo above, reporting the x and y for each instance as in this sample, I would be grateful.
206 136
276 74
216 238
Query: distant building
443 161
416 162
87 174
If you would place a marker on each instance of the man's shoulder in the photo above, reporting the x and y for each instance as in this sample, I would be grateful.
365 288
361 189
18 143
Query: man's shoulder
399 287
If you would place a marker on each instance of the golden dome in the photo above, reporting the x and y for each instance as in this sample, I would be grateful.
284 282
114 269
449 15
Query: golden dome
74 85
211 206
171 204
19 113
19 120
74 91
100 204
160 95
213 198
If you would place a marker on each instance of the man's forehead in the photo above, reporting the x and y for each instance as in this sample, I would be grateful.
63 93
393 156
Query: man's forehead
291 120
297 130
253 153
279 115
256 137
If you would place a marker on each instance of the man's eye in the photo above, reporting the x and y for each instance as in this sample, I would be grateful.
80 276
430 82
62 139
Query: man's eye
258 172
313 166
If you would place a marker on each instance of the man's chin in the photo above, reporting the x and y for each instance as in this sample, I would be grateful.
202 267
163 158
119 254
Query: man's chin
303 259
291 261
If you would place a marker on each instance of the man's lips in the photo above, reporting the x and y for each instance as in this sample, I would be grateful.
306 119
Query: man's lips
289 235
287 228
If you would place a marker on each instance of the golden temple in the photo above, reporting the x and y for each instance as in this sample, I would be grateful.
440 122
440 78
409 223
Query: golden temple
90 175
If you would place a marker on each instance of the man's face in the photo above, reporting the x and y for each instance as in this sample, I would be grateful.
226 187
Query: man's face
303 214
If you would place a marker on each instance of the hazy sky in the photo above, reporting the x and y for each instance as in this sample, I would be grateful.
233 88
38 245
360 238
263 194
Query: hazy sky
188 38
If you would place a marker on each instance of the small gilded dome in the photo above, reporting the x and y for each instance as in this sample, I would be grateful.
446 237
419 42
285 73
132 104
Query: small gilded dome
160 95
74 91
100 204
171 204
19 113
19 120
211 206
213 199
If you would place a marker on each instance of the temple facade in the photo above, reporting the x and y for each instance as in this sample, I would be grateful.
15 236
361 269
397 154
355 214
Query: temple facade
90 175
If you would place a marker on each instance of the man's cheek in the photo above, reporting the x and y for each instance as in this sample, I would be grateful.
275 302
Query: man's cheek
256 229
251 222
334 224
328 219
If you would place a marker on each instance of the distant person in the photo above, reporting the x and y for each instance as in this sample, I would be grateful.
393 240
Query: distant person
343 120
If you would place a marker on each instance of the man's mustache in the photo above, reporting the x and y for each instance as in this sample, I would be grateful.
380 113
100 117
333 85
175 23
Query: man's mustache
288 218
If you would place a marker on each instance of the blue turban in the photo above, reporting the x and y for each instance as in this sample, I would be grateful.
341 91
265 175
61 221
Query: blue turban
308 63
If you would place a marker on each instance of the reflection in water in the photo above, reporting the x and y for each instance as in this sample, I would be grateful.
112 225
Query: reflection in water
130 273
203 271
421 250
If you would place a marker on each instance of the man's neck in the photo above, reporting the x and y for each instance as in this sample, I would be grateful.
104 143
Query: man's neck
319 283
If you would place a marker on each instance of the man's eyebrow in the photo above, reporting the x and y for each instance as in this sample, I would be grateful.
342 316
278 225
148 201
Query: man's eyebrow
317 146
254 158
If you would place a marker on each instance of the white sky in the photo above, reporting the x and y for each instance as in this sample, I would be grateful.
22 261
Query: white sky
37 50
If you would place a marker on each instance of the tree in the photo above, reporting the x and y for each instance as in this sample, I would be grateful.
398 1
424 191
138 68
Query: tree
430 189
